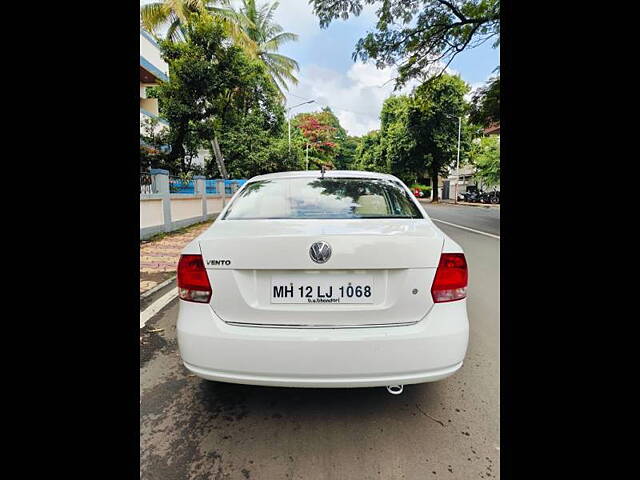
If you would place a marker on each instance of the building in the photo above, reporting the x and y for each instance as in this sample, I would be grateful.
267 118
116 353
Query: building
493 129
153 69
465 178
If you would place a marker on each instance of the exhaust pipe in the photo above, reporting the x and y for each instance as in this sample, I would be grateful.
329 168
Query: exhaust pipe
395 389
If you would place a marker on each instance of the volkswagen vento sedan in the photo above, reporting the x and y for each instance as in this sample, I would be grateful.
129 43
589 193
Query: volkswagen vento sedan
314 279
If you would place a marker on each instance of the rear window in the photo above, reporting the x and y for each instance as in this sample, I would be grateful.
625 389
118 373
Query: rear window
299 198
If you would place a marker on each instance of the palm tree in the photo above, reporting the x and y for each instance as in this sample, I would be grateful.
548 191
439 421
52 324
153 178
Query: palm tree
268 36
174 14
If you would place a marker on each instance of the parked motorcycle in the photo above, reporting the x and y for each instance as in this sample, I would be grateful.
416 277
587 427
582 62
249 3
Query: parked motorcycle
492 197
474 196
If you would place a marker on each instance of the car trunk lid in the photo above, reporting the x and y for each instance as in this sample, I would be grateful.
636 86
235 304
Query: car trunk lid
247 259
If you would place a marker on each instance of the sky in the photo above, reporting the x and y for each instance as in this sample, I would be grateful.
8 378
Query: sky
355 91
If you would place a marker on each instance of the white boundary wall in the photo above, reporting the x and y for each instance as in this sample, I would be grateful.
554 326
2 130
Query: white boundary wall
165 212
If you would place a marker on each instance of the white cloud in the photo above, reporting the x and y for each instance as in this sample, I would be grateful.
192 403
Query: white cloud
474 87
356 97
477 85
297 16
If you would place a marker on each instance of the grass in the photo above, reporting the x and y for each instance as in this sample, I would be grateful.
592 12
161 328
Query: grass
180 231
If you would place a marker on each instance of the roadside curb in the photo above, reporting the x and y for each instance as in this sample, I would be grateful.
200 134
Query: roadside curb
157 287
466 204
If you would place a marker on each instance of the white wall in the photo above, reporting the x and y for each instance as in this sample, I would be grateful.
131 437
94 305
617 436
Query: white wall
152 54
184 208
214 203
150 105
151 213
163 211
158 127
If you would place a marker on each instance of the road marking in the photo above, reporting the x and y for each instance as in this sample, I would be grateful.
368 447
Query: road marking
158 287
467 228
156 306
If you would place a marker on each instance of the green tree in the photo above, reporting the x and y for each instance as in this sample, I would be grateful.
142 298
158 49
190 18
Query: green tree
250 150
176 14
213 88
319 138
419 132
397 145
368 154
485 103
345 144
432 124
346 157
485 155
153 145
419 35
329 143
268 36
253 135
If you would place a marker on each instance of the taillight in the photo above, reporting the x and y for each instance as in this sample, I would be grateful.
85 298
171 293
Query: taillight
451 278
193 283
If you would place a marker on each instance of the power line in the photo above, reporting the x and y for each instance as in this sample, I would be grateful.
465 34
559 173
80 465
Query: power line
337 107
298 96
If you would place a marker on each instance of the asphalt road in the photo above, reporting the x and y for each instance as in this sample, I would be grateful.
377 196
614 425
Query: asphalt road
193 429
485 219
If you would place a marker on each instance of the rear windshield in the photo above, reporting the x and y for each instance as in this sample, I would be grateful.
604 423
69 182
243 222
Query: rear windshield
299 198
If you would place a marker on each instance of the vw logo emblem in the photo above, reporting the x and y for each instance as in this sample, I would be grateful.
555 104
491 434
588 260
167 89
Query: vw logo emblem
320 252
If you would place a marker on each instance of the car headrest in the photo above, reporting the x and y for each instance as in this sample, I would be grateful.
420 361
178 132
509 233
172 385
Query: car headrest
371 205
274 206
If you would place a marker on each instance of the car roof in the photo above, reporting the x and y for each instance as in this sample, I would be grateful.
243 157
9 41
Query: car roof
327 174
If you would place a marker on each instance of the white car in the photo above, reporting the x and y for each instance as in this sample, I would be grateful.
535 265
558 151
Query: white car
314 279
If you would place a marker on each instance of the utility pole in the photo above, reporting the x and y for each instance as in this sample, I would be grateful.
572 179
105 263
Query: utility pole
221 167
458 159
289 119
455 200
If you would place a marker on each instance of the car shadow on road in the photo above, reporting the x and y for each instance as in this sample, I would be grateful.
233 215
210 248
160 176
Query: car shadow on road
205 426
237 401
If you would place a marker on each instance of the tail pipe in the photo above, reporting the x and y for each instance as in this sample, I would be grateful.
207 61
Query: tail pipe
395 389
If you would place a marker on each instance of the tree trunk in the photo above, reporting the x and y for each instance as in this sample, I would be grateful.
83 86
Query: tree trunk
434 186
177 147
218 156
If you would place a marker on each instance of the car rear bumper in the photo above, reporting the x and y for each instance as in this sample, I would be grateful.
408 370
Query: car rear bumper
430 350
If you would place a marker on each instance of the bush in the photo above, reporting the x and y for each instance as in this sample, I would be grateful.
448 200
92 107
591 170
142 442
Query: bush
423 188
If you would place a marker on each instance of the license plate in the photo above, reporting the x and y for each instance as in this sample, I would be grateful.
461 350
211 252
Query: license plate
322 288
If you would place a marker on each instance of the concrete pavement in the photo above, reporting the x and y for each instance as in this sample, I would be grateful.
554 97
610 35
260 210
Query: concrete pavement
193 429
159 258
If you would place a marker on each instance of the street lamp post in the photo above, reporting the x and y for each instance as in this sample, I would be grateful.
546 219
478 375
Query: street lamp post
458 160
289 119
307 155
455 200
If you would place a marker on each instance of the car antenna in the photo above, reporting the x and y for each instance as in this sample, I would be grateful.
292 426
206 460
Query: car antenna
322 172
